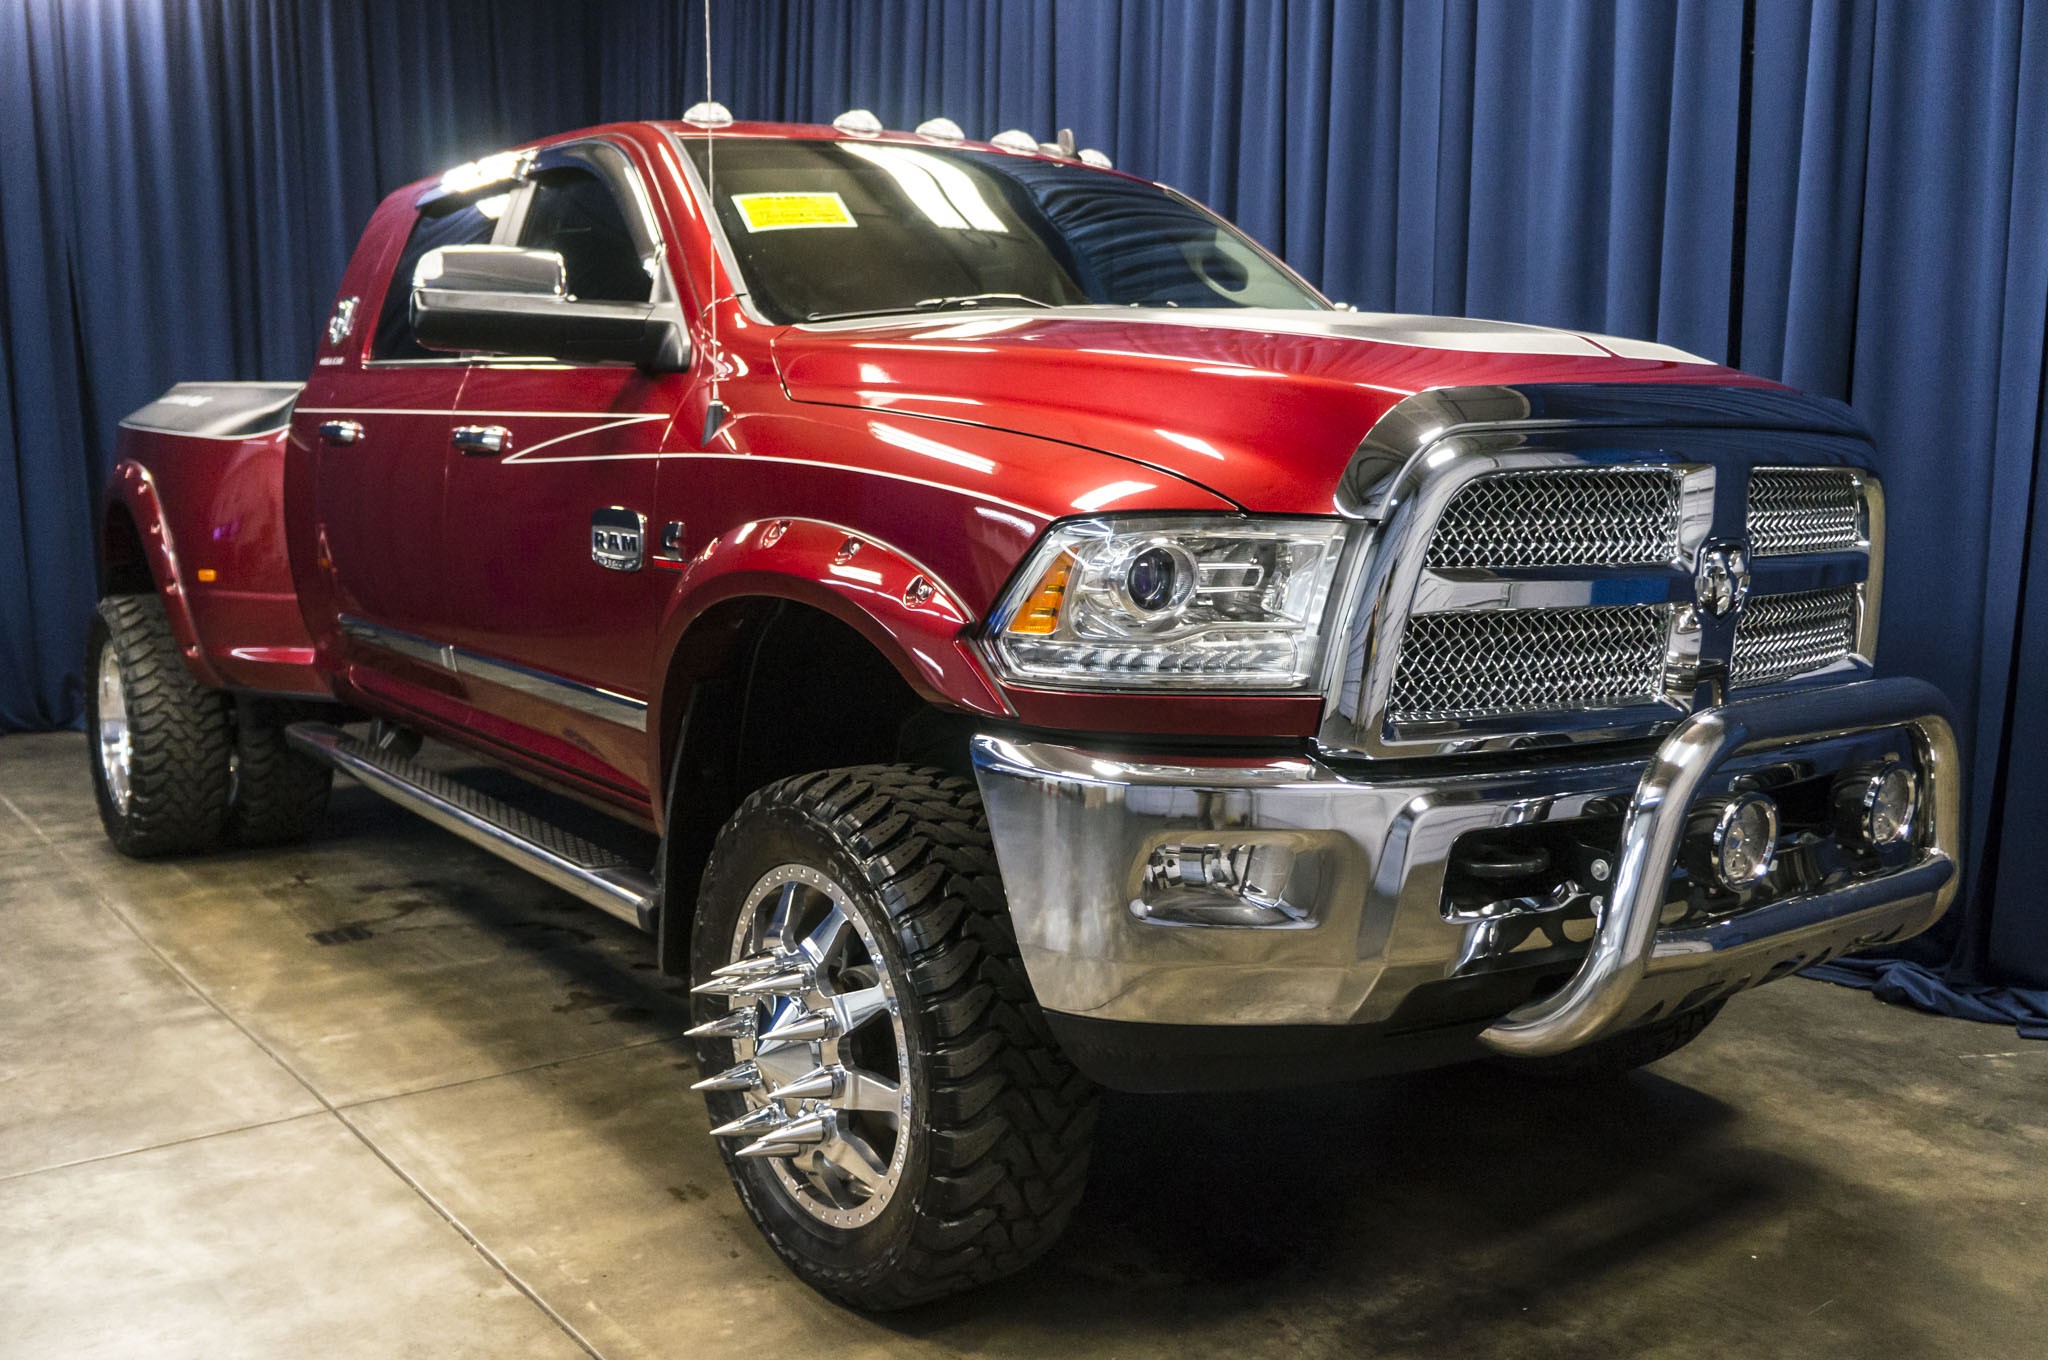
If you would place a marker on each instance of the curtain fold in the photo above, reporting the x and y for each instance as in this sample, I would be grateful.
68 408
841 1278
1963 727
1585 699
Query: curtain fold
1864 216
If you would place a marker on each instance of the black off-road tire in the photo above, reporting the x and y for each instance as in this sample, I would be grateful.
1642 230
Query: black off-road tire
180 735
280 793
1621 1053
1001 1124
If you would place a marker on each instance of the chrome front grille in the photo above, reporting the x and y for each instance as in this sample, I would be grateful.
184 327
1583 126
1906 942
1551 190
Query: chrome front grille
1545 561
1803 510
1780 636
1560 517
1473 663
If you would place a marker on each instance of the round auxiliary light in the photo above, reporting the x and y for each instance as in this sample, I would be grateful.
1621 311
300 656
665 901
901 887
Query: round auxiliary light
1745 841
1158 578
1887 804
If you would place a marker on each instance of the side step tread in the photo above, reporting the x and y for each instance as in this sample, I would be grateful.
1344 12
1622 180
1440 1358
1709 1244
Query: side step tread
597 875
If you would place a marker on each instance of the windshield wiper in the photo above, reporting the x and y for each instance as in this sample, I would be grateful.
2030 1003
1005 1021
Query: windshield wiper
938 304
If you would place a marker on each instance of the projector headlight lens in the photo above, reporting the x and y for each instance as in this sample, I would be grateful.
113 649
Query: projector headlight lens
1745 841
1186 602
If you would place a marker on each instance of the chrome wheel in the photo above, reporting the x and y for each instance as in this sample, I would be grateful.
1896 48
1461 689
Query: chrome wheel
819 1050
115 745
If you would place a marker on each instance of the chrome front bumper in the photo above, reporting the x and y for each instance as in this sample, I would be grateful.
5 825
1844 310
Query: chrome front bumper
1074 830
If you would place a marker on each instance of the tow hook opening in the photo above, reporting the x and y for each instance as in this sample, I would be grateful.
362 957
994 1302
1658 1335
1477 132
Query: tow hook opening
1545 867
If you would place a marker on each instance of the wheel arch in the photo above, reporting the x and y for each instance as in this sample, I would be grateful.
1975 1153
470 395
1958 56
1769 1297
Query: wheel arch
755 619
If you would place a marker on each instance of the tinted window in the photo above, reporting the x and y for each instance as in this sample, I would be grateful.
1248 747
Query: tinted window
457 224
574 212
827 229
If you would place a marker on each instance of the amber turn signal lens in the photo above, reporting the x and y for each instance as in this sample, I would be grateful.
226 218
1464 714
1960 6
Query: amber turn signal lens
1040 615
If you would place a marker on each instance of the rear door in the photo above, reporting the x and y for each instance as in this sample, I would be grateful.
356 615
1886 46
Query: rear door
551 478
379 429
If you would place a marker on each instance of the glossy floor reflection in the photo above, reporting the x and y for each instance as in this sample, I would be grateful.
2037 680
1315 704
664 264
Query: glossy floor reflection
380 1096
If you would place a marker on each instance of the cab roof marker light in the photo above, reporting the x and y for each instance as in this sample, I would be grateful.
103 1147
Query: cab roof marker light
1090 156
708 113
941 130
1017 140
858 123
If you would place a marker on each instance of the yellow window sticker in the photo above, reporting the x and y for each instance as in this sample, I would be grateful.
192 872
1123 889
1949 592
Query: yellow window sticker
780 212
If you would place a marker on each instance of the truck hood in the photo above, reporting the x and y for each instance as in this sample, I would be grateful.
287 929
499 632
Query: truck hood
1262 407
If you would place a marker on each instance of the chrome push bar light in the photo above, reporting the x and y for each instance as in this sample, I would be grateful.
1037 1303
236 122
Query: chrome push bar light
1877 806
1186 602
1740 842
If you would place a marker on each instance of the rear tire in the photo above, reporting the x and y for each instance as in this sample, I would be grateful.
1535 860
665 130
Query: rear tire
160 740
975 1127
280 793
1604 1059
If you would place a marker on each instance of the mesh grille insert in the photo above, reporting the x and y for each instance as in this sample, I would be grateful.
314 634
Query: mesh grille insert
1802 510
1780 636
1560 517
1468 664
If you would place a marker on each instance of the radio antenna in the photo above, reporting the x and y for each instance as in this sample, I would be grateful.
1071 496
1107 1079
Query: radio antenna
714 412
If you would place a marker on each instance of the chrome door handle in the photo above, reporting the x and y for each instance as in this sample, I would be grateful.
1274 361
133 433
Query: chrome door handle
341 431
483 441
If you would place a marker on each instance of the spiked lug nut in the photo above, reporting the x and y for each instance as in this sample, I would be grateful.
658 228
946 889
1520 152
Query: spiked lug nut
809 1128
722 986
798 1135
818 1084
737 1024
753 1123
802 1027
752 966
745 1077
776 984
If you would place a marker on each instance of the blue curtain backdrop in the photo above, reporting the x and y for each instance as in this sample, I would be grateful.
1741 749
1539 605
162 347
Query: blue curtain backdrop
181 183
1849 196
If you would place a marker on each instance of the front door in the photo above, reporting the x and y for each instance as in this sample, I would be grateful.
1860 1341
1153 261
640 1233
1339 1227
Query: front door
551 478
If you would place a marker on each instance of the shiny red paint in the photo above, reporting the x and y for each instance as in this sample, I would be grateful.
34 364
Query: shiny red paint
221 571
941 446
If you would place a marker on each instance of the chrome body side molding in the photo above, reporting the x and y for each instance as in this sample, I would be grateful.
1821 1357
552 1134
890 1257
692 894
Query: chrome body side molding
604 704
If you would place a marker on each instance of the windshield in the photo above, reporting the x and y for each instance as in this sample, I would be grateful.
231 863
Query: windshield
824 230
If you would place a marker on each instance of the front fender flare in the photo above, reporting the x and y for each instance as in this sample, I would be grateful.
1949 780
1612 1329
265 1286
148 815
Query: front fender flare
911 616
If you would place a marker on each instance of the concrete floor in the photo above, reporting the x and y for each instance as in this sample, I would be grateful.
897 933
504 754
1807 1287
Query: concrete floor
381 1096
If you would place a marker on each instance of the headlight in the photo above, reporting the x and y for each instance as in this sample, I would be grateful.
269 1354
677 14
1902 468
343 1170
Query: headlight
1171 602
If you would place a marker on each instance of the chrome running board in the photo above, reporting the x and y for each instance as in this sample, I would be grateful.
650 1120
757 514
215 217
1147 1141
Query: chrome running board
548 852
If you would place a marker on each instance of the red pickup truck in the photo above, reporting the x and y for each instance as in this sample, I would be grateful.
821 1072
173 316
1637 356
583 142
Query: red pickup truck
1056 647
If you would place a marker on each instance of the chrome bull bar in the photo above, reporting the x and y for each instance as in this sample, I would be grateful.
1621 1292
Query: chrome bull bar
1606 992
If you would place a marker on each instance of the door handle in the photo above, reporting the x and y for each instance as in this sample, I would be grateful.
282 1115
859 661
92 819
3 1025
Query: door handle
482 441
341 431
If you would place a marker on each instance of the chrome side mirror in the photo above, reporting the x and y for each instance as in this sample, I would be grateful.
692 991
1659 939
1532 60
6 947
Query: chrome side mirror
509 300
